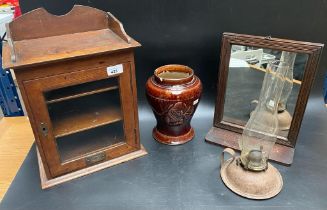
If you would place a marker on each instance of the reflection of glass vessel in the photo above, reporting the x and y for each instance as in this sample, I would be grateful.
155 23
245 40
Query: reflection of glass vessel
284 117
259 135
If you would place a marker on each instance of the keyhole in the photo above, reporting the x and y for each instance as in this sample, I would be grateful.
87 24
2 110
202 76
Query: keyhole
44 129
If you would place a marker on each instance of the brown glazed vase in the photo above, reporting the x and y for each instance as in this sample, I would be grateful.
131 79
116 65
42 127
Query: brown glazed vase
173 93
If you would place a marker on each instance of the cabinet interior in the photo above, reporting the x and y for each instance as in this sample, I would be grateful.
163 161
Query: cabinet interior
86 117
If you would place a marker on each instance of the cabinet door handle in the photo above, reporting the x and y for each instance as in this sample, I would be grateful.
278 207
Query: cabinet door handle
44 128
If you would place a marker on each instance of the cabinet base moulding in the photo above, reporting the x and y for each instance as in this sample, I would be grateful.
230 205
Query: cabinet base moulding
47 183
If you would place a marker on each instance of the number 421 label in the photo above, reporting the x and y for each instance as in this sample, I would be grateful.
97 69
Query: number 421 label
113 70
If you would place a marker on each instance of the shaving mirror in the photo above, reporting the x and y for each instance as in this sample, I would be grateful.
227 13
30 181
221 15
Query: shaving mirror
243 63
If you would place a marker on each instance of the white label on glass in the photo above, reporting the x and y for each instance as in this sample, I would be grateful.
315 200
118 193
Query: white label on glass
271 103
196 101
113 70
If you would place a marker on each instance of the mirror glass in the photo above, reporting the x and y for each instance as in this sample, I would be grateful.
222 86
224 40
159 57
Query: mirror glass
247 67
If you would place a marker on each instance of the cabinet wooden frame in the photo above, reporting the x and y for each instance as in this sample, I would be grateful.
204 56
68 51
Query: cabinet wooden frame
226 133
40 113
103 45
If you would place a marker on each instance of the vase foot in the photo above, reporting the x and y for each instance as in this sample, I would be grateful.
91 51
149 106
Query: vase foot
172 140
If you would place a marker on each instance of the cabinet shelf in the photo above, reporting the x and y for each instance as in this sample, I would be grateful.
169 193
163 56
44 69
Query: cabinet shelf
72 116
81 90
81 144
78 121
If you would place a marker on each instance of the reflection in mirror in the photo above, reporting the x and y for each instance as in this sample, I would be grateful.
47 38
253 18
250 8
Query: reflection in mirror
247 67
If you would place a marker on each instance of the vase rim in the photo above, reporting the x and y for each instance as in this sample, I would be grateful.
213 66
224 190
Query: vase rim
174 68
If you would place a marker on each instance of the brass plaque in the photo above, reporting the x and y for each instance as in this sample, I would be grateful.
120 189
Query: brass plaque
90 160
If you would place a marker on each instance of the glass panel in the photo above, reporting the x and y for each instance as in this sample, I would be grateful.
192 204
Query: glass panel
86 117
247 67
79 144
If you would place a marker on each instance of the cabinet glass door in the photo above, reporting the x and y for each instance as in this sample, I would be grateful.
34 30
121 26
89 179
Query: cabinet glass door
86 118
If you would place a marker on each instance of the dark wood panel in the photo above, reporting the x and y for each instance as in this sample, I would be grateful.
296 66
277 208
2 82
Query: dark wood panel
39 37
75 65
35 24
37 51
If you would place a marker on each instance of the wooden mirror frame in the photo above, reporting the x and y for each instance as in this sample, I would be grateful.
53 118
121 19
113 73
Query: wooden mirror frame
227 133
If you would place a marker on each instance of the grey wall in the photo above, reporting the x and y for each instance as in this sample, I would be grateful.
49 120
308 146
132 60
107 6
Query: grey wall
189 31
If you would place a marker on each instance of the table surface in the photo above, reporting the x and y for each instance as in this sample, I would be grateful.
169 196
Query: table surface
180 177
14 147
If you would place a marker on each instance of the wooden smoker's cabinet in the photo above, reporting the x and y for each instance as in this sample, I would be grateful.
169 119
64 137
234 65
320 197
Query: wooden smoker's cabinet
78 85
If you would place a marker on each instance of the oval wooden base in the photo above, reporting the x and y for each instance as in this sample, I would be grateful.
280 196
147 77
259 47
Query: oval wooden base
172 140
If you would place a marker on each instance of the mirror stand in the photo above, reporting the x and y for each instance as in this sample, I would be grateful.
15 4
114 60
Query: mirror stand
243 66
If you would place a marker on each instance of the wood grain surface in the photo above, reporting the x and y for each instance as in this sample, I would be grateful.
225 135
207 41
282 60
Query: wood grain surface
16 138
